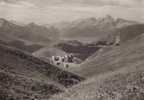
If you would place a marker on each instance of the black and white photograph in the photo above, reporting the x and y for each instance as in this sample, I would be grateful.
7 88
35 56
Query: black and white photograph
71 49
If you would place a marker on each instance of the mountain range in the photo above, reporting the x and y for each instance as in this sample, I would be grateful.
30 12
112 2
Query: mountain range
31 32
92 27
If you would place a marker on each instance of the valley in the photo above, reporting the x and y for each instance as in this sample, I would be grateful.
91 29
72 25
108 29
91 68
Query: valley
87 59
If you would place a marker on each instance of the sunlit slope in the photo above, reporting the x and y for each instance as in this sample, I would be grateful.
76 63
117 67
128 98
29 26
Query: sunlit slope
115 75
102 61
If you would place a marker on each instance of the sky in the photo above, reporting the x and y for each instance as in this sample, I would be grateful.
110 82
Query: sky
53 11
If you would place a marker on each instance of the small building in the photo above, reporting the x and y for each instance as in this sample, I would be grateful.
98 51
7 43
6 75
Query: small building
62 61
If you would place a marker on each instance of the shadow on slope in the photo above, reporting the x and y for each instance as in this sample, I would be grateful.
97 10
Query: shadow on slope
19 44
25 64
78 49
22 46
130 32
23 75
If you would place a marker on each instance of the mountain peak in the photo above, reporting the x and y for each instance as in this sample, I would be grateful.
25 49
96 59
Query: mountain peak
92 19
32 24
108 18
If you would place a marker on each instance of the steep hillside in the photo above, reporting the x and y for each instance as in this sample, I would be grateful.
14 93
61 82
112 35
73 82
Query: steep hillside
23 63
130 32
19 44
116 74
107 53
125 33
125 84
23 46
23 76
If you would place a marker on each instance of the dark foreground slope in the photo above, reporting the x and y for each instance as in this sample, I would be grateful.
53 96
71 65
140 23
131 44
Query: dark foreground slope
118 74
18 87
23 76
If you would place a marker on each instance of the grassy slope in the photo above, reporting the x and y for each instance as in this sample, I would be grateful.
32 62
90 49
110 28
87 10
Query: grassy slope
117 75
19 87
48 52
19 43
109 54
35 71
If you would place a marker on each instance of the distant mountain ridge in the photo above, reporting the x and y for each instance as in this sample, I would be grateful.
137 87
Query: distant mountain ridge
31 32
92 27
82 28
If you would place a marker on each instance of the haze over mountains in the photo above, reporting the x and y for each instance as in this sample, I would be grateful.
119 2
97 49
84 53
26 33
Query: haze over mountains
92 27
82 28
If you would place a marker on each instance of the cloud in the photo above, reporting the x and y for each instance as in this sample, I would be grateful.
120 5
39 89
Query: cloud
123 2
126 3
49 11
130 3
9 1
16 9
16 3
27 4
